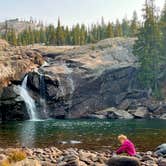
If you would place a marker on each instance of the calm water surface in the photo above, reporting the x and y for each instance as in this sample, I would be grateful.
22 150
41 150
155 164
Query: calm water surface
87 134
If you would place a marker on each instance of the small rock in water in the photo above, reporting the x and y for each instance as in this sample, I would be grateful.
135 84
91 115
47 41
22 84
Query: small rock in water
74 142
63 142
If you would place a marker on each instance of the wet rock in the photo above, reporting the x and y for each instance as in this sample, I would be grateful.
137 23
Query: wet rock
94 116
12 107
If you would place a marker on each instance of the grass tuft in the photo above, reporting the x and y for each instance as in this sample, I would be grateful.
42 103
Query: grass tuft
16 156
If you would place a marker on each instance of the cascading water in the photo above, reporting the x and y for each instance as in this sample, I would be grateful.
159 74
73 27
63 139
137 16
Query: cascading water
69 78
43 97
29 101
70 82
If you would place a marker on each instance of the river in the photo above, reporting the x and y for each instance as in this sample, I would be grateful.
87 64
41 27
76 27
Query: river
87 134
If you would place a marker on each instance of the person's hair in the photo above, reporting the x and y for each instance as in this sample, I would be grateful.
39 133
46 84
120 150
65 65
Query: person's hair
122 137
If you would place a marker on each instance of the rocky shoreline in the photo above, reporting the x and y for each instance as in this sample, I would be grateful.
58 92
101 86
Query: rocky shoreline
76 157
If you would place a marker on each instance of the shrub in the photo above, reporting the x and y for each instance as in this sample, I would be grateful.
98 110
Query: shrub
5 163
17 155
93 47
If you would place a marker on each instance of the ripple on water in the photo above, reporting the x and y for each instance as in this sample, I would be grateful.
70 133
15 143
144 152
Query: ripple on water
90 134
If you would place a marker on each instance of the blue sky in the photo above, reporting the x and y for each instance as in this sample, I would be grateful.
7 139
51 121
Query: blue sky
71 11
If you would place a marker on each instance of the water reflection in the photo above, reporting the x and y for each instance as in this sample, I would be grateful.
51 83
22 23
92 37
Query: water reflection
28 133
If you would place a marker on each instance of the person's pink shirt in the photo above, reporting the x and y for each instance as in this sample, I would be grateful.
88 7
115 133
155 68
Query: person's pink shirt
127 147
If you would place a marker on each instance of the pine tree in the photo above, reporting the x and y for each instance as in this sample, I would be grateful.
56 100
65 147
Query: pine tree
31 37
59 34
125 27
103 29
51 35
42 35
83 35
163 29
13 37
134 25
110 30
95 33
76 35
6 31
19 40
118 29
148 48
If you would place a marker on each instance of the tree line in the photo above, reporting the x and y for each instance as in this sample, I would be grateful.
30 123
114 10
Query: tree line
150 47
76 35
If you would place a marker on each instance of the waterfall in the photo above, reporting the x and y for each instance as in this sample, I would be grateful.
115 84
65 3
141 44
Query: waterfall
69 78
61 87
29 101
43 96
70 82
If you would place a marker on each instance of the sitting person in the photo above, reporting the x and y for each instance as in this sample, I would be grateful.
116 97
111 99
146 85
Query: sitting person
126 146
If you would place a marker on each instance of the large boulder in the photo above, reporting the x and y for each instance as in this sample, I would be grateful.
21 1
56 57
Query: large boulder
124 161
140 112
119 114
161 149
114 113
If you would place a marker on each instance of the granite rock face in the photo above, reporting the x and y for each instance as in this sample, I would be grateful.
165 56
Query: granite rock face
83 80
79 82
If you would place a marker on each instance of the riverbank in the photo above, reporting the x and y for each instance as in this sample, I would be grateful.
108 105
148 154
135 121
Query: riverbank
70 157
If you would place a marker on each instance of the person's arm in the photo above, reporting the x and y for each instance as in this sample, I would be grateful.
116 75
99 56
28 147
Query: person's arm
121 149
